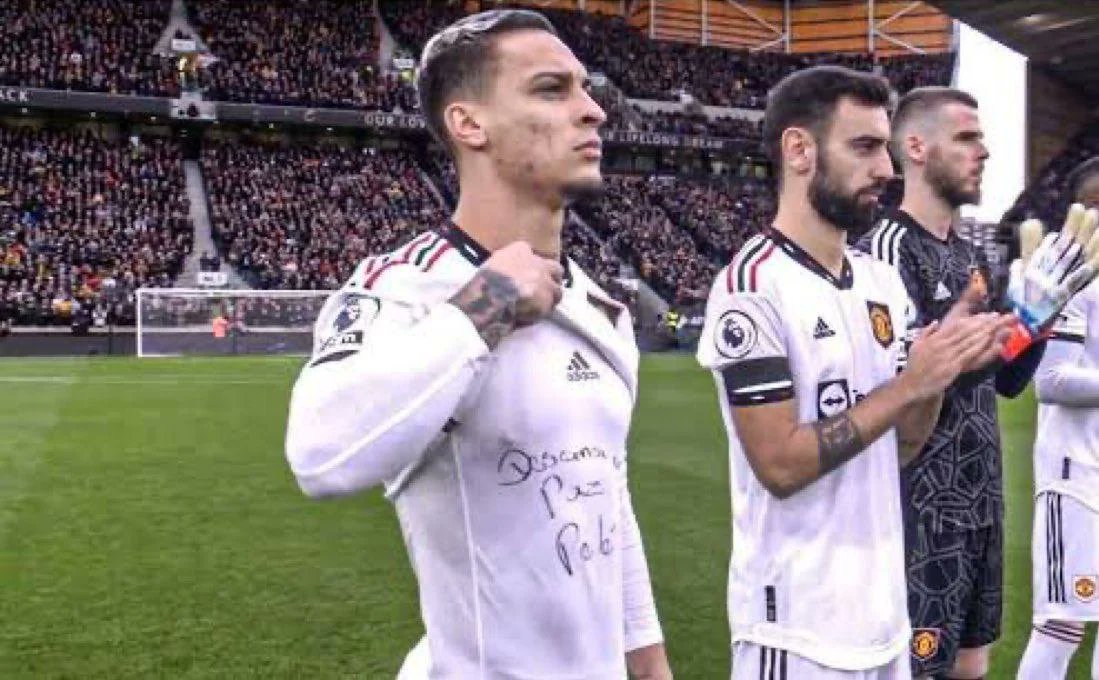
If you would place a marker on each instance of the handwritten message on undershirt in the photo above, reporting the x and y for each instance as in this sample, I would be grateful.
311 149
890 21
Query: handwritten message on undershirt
553 474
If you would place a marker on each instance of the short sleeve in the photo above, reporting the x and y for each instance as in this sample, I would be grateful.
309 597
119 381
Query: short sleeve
744 340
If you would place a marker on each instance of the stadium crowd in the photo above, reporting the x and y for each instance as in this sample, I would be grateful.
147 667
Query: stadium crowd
632 221
320 53
304 216
681 123
1045 198
720 216
81 212
92 45
653 69
85 221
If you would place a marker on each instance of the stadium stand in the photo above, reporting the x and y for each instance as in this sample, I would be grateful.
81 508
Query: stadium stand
84 221
321 53
675 122
303 216
92 45
720 215
650 69
633 222
1045 198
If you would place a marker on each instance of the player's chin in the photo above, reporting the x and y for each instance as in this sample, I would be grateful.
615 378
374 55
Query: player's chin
585 186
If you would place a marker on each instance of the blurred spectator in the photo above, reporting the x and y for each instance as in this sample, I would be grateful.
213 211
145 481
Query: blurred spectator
320 53
304 216
719 215
93 45
209 263
633 222
85 221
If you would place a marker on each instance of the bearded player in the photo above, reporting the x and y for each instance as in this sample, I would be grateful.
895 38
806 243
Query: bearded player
804 337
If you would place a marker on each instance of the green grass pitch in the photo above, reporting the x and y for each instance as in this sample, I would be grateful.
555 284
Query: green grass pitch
149 528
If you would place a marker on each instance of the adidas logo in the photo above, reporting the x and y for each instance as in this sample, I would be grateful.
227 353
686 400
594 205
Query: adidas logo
580 369
942 292
822 330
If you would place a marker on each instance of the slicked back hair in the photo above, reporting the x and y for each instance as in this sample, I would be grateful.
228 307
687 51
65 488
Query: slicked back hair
460 61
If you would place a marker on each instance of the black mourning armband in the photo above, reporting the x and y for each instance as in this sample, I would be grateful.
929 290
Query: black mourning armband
758 381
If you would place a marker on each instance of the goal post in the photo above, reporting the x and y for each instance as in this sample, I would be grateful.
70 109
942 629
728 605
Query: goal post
211 322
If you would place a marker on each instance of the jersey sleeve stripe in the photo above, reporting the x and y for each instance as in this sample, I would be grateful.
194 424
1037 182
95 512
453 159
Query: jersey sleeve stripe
875 240
405 258
755 266
895 245
753 246
438 254
885 244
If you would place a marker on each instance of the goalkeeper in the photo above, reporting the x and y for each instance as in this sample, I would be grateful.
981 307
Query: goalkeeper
952 494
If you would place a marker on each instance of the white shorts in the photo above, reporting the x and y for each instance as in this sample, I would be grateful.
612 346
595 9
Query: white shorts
417 664
1065 556
753 662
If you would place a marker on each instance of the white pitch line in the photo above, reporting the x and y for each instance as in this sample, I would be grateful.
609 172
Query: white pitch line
92 380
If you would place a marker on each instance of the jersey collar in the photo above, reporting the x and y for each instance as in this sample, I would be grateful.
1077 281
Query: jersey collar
477 254
846 278
910 222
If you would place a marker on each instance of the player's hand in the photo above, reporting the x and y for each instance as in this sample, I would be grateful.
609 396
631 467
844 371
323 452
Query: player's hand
649 663
1049 272
515 287
537 280
945 350
972 301
1043 281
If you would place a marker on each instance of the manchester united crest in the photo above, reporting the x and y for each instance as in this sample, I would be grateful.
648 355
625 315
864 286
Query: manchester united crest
925 643
881 323
1084 588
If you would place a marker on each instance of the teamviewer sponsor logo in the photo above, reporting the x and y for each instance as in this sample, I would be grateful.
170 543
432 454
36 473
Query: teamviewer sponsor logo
580 369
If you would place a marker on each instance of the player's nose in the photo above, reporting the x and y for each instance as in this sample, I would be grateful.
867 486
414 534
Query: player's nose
592 114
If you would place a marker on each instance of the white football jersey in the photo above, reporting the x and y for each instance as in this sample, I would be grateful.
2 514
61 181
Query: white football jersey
507 468
1066 445
821 573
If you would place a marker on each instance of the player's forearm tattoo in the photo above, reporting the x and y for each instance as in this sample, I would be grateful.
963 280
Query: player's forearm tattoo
839 441
490 301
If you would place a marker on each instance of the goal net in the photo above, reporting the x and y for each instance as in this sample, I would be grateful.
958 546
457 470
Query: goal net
200 322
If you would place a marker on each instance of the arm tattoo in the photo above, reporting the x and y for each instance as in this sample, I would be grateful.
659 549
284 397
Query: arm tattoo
489 300
839 441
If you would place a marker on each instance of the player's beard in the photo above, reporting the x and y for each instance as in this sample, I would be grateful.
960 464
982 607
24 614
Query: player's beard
838 207
945 185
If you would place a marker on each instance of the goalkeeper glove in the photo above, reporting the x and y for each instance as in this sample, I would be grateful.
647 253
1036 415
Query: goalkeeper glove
1049 272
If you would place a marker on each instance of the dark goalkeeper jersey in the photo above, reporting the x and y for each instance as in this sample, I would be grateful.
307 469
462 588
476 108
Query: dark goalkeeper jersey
957 482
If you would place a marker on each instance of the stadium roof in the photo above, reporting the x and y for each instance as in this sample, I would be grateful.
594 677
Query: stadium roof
1061 37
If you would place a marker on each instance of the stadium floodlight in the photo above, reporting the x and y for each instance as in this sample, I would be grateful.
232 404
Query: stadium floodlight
212 322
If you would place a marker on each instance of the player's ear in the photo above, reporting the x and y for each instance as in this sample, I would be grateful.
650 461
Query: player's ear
464 122
913 147
799 150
